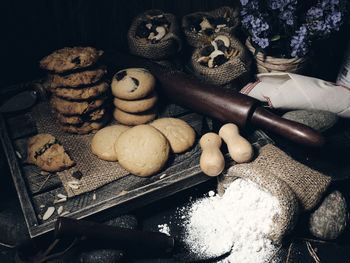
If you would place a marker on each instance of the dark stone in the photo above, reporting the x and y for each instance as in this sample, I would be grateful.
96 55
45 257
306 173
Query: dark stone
330 219
316 119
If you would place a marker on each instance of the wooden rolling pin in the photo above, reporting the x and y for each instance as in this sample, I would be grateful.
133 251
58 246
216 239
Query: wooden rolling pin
222 104
115 237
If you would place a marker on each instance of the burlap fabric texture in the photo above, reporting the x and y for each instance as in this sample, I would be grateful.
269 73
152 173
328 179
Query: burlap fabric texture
297 187
232 69
195 39
267 64
167 47
96 172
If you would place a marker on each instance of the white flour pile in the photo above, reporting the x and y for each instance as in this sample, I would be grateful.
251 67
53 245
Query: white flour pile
237 221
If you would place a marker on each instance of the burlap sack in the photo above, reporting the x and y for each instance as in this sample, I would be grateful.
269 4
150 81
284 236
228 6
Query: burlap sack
284 221
235 67
307 184
168 46
195 39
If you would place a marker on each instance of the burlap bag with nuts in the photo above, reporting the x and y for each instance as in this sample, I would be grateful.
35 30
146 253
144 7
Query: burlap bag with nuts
236 63
297 187
221 20
160 45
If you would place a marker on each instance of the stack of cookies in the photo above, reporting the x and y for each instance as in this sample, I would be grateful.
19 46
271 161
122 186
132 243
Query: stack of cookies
135 96
78 88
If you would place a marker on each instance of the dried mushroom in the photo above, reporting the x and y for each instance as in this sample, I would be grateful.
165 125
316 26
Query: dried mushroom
217 53
153 29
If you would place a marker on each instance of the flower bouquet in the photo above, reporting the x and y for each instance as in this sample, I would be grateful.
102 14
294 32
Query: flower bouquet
286 29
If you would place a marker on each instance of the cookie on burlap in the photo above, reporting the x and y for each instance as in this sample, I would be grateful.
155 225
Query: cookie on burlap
134 118
44 151
94 115
179 133
103 142
75 107
70 58
76 79
134 106
142 150
84 93
132 83
85 127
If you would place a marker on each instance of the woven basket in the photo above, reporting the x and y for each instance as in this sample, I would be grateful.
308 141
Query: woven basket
235 67
195 39
167 47
267 64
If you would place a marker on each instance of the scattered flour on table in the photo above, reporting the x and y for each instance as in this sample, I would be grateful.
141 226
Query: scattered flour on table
238 222
164 228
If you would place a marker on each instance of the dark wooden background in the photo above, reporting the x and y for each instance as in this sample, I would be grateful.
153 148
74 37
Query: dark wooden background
30 30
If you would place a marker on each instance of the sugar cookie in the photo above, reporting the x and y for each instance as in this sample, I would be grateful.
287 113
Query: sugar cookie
142 150
134 118
179 133
135 106
103 142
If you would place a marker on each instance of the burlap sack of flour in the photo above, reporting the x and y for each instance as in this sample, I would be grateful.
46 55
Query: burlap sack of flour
283 222
195 39
296 186
168 46
234 68
307 184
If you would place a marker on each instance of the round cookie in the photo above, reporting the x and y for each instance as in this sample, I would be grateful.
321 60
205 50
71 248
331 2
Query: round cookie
78 119
103 142
179 133
76 79
132 83
82 93
70 58
142 150
85 127
75 107
44 151
134 118
135 106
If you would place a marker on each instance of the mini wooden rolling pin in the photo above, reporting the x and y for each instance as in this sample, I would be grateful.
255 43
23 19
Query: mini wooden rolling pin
222 104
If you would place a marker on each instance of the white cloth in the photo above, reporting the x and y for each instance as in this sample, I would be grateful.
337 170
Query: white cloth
293 91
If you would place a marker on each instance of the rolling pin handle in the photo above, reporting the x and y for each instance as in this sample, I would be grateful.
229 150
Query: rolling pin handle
294 131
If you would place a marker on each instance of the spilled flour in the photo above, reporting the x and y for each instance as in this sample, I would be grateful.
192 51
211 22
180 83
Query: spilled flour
237 222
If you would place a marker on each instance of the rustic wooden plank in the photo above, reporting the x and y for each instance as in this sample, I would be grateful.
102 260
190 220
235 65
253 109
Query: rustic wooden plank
24 198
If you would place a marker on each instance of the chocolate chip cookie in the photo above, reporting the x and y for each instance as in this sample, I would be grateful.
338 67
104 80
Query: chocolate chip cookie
44 151
70 58
85 127
76 79
85 93
132 83
94 115
75 107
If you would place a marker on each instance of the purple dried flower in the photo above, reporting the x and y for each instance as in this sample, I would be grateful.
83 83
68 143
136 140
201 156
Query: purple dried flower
262 42
266 19
244 2
298 42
